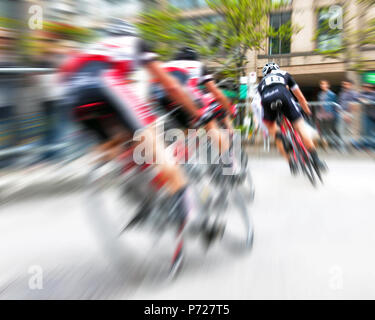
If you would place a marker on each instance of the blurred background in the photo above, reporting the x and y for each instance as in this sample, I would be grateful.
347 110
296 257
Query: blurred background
329 48
295 34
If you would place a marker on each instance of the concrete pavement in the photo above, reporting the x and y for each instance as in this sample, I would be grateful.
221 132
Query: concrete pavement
309 243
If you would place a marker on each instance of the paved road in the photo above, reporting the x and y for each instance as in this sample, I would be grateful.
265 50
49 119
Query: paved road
309 243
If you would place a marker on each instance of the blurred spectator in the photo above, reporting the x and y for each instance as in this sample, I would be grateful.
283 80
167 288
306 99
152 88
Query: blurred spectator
327 115
8 91
367 99
347 97
56 121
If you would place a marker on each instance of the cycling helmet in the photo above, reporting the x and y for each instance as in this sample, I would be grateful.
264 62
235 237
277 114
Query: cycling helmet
269 67
119 27
187 53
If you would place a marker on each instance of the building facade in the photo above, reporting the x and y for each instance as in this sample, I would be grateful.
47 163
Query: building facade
298 55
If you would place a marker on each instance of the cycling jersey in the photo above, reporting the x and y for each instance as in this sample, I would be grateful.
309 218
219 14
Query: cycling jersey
196 74
197 71
191 74
277 77
273 87
98 86
124 54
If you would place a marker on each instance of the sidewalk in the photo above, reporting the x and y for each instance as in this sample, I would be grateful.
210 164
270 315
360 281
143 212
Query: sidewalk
44 179
73 175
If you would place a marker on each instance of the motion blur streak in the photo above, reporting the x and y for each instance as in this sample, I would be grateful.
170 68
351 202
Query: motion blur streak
67 207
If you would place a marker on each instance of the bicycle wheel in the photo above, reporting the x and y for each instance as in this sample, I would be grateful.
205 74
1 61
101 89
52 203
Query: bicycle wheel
317 171
246 187
306 166
142 252
239 229
303 160
220 201
231 209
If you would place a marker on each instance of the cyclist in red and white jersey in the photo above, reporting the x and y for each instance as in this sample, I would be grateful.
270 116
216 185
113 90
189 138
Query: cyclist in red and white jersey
200 85
97 81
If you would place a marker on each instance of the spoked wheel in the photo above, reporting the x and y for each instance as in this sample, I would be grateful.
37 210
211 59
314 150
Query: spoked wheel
239 230
305 164
226 206
139 251
246 187
318 172
230 208
307 169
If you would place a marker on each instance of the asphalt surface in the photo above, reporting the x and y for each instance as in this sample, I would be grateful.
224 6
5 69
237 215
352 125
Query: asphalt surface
310 243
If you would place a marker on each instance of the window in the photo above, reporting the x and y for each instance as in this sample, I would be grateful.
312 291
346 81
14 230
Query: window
284 2
202 20
279 45
328 38
9 8
189 4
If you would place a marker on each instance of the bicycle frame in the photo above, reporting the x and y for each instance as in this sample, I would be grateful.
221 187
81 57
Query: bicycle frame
287 129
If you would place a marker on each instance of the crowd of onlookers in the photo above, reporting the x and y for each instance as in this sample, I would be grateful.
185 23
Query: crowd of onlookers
346 119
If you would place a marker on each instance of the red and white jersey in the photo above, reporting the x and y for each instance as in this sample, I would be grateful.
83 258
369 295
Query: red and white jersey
125 54
198 73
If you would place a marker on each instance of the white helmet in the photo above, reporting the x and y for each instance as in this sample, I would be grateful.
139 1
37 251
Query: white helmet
269 67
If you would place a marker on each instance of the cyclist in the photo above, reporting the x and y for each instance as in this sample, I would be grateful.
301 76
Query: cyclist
101 74
275 87
200 84
188 58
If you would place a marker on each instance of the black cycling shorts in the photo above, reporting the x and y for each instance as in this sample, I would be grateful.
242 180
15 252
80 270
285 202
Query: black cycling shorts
289 106
103 104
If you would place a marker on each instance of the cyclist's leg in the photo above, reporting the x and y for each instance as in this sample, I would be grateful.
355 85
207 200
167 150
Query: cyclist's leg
269 119
222 140
112 147
136 115
170 172
228 124
301 128
293 113
275 132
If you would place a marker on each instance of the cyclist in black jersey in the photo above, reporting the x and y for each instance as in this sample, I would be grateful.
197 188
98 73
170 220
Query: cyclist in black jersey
277 85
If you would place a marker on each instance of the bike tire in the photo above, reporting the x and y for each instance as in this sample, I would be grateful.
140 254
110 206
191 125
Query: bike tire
132 255
234 240
304 162
247 186
307 167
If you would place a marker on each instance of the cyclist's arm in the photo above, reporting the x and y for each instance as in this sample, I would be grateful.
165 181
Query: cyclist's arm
173 88
302 100
293 86
211 87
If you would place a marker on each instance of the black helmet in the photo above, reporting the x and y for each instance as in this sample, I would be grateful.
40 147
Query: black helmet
187 53
119 27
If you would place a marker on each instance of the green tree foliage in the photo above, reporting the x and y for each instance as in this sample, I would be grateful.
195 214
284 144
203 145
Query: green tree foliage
240 26
367 35
163 29
346 43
